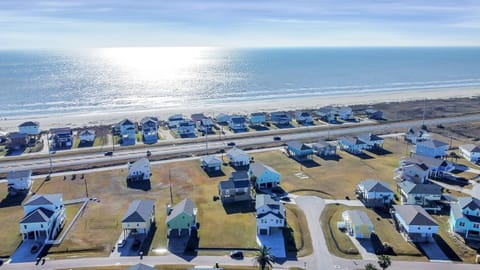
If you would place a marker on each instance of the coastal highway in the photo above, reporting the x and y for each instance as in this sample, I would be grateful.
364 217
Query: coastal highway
182 150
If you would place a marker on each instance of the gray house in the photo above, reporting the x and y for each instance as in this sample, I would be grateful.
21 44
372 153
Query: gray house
374 193
236 188
323 148
427 196
139 217
211 163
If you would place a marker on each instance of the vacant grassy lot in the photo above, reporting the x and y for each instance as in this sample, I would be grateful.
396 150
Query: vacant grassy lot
10 213
165 267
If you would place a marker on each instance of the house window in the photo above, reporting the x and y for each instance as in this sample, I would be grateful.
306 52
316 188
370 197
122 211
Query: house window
41 225
418 228
476 225
461 224
24 226
429 228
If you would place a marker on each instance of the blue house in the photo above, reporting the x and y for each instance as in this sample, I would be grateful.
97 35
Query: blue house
431 148
186 128
62 138
257 119
465 217
345 113
237 123
265 176
374 114
328 114
299 151
127 132
149 130
371 140
280 118
351 144
174 120
303 118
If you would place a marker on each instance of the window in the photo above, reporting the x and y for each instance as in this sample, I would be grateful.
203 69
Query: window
418 228
24 226
461 224
476 225
41 226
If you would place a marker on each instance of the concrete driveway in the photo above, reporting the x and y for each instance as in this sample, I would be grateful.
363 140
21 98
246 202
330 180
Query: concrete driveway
23 252
274 241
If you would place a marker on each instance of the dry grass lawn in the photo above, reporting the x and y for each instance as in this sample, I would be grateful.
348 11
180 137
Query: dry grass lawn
164 267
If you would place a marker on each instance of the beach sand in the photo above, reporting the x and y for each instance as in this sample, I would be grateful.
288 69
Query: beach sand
78 120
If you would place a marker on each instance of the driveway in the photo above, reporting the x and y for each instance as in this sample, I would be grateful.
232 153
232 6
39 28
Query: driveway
433 252
23 252
274 241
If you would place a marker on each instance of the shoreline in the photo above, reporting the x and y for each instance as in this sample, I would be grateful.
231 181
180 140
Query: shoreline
78 120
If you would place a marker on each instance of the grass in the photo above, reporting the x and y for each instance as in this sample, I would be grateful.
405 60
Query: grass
10 237
3 150
99 141
167 267
297 222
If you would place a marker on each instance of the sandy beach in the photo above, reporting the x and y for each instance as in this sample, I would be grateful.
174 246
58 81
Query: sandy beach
77 120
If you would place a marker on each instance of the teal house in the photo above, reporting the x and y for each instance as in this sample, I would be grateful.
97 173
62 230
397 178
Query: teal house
465 217
182 216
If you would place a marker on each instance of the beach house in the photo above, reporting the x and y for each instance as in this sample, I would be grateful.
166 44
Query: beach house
174 120
44 217
470 152
17 140
304 118
30 128
203 123
86 136
186 128
61 138
270 214
414 223
299 151
324 149
431 148
238 157
211 163
139 218
345 113
139 170
280 118
415 173
19 181
149 129
236 188
351 144
257 119
358 223
127 133
374 193
415 135
222 118
237 123
436 167
182 216
264 176
427 196
327 114
465 217
371 140
372 113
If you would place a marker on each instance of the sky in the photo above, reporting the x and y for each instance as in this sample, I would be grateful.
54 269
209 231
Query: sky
238 23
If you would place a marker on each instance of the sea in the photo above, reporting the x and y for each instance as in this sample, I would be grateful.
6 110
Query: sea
50 82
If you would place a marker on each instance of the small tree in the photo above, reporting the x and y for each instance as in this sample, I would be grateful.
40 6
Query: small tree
384 261
370 267
263 258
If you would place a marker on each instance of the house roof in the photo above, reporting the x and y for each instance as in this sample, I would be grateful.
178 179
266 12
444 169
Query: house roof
371 185
470 202
277 214
412 188
139 211
371 111
238 119
63 130
276 208
257 114
432 143
19 174
38 215
456 210
139 164
16 135
421 166
238 179
358 217
45 199
470 148
175 117
236 153
321 144
185 206
414 215
277 114
87 132
258 168
326 110
149 119
141 266
369 137
211 160
186 123
298 145
345 109
197 116
125 122
351 140
428 161
29 124
416 131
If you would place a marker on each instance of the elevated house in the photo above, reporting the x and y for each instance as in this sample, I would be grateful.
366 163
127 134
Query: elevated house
44 217
237 123
435 167
358 223
351 144
427 196
258 119
139 218
415 135
127 133
299 151
304 118
345 113
280 118
470 152
414 223
61 138
222 118
211 163
197 117
265 176
270 214
203 123
465 218
30 128
412 172
139 170
182 216
149 130
86 136
372 113
186 128
19 181
236 188
17 140
328 114
374 193
324 149
431 148
371 140
174 120
238 157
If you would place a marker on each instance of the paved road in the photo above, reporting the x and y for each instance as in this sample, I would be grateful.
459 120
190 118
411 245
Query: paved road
185 149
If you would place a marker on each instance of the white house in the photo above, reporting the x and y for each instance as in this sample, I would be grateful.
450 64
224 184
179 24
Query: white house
351 144
211 163
415 135
436 167
345 113
87 135
374 193
139 217
427 196
470 152
265 176
238 157
270 214
237 123
414 223
30 128
371 140
431 148
139 170
465 217
44 217
358 223
415 173
19 181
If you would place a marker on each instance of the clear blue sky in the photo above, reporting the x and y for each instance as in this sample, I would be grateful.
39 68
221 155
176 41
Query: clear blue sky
238 23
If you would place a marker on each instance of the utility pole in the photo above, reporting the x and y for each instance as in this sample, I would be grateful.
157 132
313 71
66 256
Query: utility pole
50 156
424 111
206 142
170 182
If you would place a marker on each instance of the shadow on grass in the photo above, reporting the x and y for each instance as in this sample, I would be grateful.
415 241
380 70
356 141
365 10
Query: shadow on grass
15 152
147 243
331 157
284 126
379 248
191 135
445 248
259 128
309 163
361 155
212 173
379 151
382 212
13 200
240 168
239 207
184 246
290 244
144 185
85 144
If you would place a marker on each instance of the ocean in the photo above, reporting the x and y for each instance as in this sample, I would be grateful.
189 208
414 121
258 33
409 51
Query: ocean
129 79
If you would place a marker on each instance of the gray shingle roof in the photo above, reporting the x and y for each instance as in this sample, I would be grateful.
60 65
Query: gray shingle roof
470 202
428 161
236 152
185 206
19 174
375 186
432 143
38 215
351 140
29 124
276 208
64 130
45 199
471 148
238 119
359 217
125 122
237 180
298 145
211 160
414 215
139 211
412 188
87 132
258 169
369 137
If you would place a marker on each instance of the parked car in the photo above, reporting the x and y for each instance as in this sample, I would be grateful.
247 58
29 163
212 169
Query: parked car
35 247
236 254
121 243
109 153
136 244
231 144
149 153
277 138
